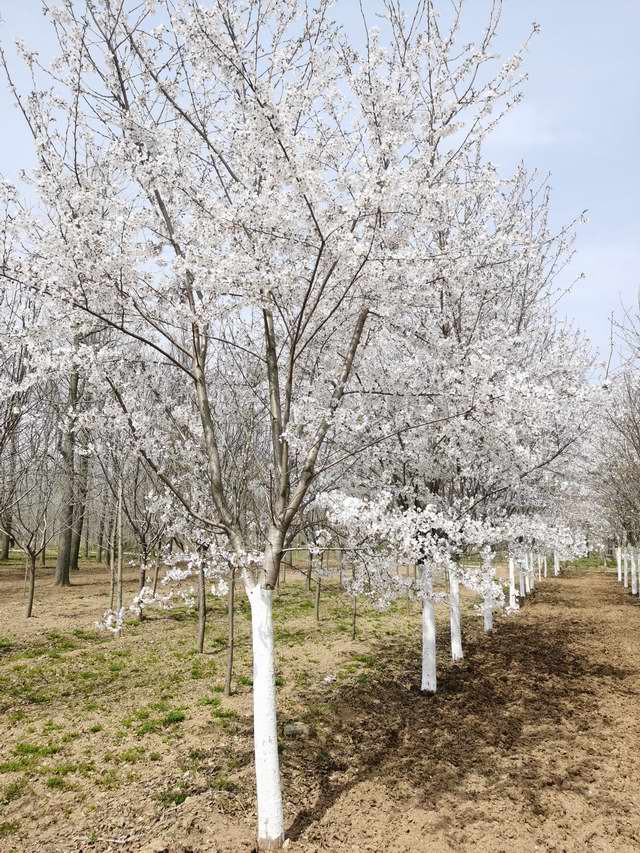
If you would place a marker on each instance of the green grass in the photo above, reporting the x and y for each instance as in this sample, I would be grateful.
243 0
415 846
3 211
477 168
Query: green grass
34 749
13 791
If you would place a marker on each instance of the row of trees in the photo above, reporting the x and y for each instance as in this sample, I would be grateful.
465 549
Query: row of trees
262 288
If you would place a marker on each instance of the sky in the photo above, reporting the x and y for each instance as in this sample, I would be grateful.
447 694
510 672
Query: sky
579 122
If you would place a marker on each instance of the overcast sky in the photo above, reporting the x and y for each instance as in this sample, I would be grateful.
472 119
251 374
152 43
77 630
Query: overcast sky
580 121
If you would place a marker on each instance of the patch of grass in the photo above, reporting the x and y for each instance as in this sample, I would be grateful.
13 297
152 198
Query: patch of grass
368 660
16 765
13 791
173 717
223 783
173 796
56 782
217 711
148 724
291 637
129 756
89 636
67 767
8 828
39 750
6 644
109 779
96 727
16 716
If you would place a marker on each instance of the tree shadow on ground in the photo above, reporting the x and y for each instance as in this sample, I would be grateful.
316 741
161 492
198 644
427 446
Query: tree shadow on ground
512 692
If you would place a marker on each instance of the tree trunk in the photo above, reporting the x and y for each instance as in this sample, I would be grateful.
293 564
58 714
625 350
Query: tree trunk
43 544
142 577
309 572
202 609
532 574
31 586
231 638
269 796
487 612
6 541
156 572
626 568
634 572
523 591
86 536
354 607
454 616
63 562
512 584
429 678
619 563
318 585
112 563
101 527
79 510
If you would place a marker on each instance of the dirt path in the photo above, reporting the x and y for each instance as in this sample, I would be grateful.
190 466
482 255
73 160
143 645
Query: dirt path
532 745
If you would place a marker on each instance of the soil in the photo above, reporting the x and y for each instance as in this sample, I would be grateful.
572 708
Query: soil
532 743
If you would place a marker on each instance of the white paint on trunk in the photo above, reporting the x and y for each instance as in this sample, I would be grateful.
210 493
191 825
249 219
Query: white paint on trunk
527 575
429 680
556 564
454 617
532 572
634 572
626 568
512 584
487 612
265 729
539 567
523 591
619 562
544 563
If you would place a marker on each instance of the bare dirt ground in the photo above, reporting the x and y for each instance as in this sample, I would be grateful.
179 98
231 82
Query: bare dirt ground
531 744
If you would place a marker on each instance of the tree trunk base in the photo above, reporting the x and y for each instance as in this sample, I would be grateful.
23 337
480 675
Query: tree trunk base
271 843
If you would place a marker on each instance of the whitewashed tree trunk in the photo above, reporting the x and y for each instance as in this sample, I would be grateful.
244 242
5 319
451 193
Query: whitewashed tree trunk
513 598
532 573
619 563
454 617
634 572
527 575
269 796
544 563
487 612
539 567
512 584
626 567
556 564
523 589
429 678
